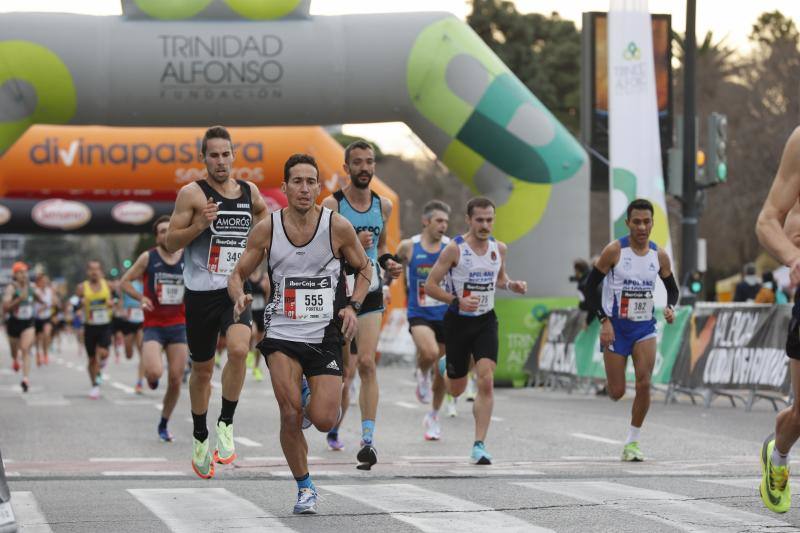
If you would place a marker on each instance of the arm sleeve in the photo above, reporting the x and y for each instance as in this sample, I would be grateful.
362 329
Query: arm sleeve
595 296
673 293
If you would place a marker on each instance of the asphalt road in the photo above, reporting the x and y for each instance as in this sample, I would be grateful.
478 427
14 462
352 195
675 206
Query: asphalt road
77 465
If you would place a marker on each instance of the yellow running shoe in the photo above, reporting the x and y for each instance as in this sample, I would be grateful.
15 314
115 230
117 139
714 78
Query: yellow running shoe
226 450
632 452
250 361
258 375
774 488
202 464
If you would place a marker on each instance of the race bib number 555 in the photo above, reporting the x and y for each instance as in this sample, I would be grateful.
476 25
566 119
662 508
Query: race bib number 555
308 299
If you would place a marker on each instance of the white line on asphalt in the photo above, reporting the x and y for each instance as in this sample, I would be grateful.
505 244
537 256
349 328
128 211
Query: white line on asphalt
70 364
29 517
497 419
595 438
493 471
145 473
273 458
244 441
216 384
431 510
215 509
676 510
132 401
435 458
677 472
121 386
127 459
590 458
8 461
286 474
746 483
407 405
13 474
158 406
80 368
33 401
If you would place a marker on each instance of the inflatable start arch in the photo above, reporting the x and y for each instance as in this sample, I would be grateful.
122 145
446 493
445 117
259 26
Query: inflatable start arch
198 62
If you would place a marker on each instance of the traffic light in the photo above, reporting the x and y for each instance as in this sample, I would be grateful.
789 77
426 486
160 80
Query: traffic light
696 283
114 272
717 168
127 263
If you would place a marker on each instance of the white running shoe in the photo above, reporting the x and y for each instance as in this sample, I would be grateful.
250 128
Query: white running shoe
472 388
94 394
433 430
424 392
450 406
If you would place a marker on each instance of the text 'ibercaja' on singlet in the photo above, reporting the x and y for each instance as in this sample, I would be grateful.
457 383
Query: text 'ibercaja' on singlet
212 255
629 287
307 285
476 275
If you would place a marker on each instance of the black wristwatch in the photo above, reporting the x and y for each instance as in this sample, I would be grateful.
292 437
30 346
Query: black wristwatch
454 302
356 306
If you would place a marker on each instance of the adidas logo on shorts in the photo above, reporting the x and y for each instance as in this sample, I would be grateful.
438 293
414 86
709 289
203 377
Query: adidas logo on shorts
332 365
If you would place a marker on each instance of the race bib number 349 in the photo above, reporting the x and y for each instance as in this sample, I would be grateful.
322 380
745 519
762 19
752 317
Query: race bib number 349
308 299
224 252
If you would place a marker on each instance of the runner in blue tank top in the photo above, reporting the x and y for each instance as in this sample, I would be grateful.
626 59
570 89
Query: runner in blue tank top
426 315
628 268
368 213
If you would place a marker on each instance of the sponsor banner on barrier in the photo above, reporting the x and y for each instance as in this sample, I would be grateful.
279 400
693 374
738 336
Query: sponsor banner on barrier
520 322
567 346
736 347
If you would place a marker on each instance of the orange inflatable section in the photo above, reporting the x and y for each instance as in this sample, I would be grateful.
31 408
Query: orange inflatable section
101 163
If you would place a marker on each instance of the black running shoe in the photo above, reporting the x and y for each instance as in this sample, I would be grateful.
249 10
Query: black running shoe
367 456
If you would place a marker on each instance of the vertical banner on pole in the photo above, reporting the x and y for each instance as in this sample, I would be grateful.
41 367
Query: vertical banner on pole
634 143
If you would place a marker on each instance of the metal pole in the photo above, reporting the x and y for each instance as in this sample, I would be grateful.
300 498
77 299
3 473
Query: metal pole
689 222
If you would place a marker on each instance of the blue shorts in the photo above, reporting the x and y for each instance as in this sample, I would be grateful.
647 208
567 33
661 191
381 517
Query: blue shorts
166 335
627 333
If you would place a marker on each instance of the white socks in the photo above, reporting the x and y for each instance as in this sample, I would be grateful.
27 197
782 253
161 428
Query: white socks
778 459
633 435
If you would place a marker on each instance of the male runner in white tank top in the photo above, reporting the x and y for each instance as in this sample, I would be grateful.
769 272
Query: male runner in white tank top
476 264
307 320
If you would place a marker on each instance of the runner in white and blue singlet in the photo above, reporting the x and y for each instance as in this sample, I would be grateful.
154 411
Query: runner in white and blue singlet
629 268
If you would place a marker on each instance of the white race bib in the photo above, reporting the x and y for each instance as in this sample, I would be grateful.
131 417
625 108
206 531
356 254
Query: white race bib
485 293
135 315
423 300
636 306
99 316
374 282
223 253
24 312
308 299
258 302
169 291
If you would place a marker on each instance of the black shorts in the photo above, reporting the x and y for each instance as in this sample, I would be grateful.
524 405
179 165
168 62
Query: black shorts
39 324
436 325
117 324
129 328
793 338
467 336
95 337
316 359
15 327
258 319
373 302
209 314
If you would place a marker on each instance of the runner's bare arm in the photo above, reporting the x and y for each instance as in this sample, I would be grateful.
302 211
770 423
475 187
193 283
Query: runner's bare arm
136 271
392 267
257 244
503 281
608 257
783 195
8 298
403 252
447 260
349 247
189 218
260 209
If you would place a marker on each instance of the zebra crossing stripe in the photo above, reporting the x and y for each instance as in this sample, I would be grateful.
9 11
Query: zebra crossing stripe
29 517
215 509
681 512
433 511
748 483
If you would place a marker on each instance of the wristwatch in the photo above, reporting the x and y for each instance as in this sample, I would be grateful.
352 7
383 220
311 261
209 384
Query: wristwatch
454 302
356 306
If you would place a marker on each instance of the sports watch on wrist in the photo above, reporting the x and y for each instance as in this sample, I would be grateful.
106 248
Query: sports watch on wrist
356 306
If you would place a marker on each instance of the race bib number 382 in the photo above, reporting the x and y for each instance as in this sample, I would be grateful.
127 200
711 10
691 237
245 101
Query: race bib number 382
224 252
308 299
636 306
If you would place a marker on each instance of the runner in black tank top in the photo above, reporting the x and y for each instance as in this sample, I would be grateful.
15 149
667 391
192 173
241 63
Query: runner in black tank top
211 221
257 283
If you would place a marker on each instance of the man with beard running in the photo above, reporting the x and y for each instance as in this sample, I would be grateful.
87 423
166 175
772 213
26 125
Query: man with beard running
368 213
211 221
306 247
161 275
476 263
426 315
18 302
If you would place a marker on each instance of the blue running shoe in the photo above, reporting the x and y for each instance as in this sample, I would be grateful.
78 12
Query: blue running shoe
306 502
480 456
305 394
443 366
164 435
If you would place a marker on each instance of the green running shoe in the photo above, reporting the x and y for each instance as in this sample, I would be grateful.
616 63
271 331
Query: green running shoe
774 488
250 361
202 464
631 452
226 450
258 375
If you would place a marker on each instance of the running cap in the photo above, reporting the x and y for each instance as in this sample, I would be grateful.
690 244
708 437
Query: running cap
19 266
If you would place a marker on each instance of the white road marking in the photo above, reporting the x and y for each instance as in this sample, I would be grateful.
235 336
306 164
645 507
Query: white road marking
244 441
29 517
431 510
273 458
127 459
436 458
145 473
121 386
497 419
678 511
595 438
747 483
490 471
287 474
214 509
407 405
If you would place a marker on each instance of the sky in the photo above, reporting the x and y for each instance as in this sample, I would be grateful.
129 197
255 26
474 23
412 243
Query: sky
731 20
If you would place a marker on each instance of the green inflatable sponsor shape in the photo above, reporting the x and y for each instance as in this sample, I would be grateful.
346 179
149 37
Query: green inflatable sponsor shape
520 321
